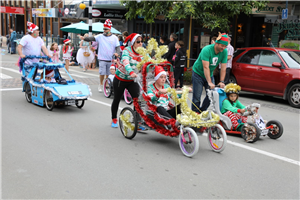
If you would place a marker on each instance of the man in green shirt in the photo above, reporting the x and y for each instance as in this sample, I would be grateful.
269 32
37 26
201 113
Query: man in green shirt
208 60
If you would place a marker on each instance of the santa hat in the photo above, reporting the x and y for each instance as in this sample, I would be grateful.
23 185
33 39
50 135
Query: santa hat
107 24
222 39
66 41
32 27
113 67
49 73
130 39
158 72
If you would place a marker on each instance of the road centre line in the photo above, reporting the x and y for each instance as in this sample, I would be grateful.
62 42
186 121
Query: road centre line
12 70
4 76
282 158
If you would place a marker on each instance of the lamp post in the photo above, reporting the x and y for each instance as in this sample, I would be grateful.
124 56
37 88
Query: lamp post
82 6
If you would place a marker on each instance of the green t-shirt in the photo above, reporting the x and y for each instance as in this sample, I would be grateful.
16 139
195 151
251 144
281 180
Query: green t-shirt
208 54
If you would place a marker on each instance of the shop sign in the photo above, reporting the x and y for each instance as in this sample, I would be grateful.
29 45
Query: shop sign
107 13
292 28
12 10
291 45
71 11
272 8
44 12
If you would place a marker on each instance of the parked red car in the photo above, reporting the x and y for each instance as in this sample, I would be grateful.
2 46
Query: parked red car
268 70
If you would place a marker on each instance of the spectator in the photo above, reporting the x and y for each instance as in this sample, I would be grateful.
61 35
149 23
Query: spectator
163 40
230 51
67 52
8 43
179 63
169 55
208 60
13 37
125 35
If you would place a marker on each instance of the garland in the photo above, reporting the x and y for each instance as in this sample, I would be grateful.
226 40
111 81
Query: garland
126 124
48 66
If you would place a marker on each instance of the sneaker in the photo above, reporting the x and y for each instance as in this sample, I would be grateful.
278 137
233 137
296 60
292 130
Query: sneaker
100 88
140 128
114 123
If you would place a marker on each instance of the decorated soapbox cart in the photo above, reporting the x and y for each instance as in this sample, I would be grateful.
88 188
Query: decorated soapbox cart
59 91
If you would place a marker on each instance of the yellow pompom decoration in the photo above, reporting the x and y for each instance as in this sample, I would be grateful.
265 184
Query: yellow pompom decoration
159 52
233 87
126 124
189 117
82 6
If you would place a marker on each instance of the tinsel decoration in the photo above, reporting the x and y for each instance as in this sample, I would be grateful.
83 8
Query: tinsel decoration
232 88
126 123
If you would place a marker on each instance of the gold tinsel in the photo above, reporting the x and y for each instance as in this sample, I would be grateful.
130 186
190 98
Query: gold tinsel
126 124
232 87
159 52
189 117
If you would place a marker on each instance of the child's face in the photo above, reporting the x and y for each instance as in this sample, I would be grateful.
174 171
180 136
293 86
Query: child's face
112 71
233 97
161 80
55 46
177 46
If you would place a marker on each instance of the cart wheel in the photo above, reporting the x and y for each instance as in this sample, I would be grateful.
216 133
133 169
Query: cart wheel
129 126
107 88
250 132
127 97
48 99
217 138
188 142
79 103
276 131
27 90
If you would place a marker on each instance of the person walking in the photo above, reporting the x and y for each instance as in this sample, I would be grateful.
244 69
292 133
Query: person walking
32 44
125 74
13 37
230 51
179 63
208 60
169 55
8 43
108 46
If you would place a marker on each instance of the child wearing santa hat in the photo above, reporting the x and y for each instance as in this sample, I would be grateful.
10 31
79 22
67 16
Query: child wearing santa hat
159 96
49 74
67 52
112 70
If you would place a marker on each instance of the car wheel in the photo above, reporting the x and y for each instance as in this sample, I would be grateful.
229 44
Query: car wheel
294 95
48 99
27 90
232 79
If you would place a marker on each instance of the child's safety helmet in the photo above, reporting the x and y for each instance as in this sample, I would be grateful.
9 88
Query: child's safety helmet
232 88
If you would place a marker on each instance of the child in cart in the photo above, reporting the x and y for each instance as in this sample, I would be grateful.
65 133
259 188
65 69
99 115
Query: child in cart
232 107
49 76
112 70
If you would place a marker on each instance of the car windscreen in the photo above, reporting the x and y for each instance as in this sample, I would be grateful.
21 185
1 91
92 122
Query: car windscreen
291 58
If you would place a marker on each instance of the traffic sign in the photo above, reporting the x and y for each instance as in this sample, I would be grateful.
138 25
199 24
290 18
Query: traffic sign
284 13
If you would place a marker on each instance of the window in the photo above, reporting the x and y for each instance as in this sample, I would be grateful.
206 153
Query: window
267 58
238 52
291 58
251 57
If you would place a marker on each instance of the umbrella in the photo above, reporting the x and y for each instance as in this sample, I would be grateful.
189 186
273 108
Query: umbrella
74 28
96 28
180 32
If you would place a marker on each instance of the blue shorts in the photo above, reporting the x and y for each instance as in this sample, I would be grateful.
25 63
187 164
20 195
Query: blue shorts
104 67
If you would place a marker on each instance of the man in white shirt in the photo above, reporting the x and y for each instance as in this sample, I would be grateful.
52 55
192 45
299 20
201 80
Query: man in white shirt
230 51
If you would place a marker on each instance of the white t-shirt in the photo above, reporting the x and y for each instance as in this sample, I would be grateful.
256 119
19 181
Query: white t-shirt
111 77
31 47
107 46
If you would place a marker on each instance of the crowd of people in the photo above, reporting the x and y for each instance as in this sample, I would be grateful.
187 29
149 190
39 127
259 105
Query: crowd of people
212 66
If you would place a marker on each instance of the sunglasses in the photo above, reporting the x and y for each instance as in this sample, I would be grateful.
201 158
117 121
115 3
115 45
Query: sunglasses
139 41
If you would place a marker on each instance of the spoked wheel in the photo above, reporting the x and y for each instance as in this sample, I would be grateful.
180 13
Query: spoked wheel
250 132
79 103
276 131
188 142
27 90
127 97
217 138
48 99
128 123
107 88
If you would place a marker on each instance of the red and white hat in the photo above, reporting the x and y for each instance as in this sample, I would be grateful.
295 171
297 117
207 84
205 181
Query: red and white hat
107 24
130 39
32 27
158 72
66 41
113 67
49 73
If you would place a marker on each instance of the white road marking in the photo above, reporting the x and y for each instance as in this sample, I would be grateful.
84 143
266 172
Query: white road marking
3 76
85 73
285 159
12 70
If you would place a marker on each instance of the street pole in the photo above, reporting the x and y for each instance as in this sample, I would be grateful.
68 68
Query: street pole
90 18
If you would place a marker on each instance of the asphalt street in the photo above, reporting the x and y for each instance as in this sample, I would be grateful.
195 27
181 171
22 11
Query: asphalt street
72 153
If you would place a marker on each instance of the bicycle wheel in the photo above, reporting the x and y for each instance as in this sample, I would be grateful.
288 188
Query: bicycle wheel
217 138
127 97
79 103
129 125
188 142
27 90
276 131
48 99
250 132
107 88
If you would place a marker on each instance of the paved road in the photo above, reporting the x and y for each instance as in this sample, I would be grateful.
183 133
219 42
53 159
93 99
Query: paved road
73 153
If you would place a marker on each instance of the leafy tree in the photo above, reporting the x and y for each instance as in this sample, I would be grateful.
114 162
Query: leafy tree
212 14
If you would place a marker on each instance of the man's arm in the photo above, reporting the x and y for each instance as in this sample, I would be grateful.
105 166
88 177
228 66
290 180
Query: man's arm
45 50
118 50
223 73
229 57
19 50
207 73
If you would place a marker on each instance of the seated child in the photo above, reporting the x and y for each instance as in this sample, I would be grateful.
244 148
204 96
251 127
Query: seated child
232 107
49 74
158 94
112 70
